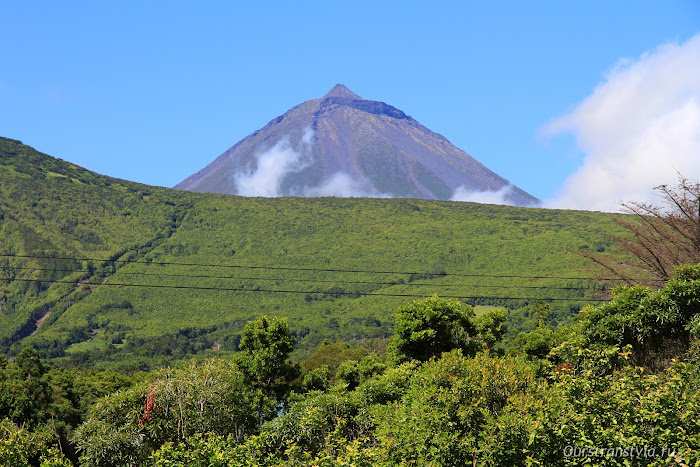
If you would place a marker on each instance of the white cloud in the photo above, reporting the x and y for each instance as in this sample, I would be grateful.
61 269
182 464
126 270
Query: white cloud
342 185
484 197
638 129
272 166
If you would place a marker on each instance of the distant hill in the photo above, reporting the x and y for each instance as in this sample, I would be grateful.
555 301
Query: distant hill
346 146
155 273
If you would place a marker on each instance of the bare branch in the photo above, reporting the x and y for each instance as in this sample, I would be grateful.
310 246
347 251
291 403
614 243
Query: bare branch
661 237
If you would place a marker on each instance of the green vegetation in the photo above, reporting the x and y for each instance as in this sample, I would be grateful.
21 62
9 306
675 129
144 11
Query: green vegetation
263 359
428 328
116 232
308 347
584 401
204 397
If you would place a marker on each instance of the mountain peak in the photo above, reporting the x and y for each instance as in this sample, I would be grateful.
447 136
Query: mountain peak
340 90
346 146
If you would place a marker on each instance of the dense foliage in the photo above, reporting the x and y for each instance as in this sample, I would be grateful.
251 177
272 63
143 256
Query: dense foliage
427 328
589 399
133 281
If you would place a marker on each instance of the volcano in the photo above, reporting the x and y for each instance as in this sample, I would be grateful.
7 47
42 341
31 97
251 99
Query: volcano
346 146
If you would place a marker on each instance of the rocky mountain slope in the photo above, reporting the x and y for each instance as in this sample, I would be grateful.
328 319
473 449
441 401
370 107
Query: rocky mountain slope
346 146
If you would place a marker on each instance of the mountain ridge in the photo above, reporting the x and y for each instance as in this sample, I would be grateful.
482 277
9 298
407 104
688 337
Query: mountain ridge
358 148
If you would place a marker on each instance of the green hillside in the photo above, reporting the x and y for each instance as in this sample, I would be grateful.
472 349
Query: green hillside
155 271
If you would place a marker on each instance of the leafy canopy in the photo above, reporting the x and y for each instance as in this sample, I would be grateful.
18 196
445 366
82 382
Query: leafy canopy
427 328
264 351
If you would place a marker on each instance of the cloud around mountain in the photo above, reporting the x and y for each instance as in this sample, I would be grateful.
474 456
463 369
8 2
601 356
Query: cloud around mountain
275 164
345 146
500 196
272 166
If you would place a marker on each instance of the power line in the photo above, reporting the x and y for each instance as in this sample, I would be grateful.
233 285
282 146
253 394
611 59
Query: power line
289 268
281 279
257 290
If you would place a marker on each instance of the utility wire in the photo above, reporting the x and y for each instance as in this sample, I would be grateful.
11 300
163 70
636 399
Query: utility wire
287 268
281 279
238 289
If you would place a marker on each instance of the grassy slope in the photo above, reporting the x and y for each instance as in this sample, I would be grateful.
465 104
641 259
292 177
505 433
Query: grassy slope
83 214
53 208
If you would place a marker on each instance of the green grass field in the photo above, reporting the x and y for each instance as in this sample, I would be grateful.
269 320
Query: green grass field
193 268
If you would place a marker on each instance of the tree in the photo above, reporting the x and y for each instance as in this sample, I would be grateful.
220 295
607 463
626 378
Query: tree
204 397
449 403
661 237
316 379
25 394
427 328
353 372
265 347
21 447
657 324
332 355
490 327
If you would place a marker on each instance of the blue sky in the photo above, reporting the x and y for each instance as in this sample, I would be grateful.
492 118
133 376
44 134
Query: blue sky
153 91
